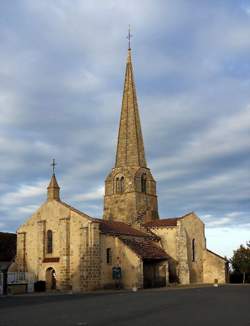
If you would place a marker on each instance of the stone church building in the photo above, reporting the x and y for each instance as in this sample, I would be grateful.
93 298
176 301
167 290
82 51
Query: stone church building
131 246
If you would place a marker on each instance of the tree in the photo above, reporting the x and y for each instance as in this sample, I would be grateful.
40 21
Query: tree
241 260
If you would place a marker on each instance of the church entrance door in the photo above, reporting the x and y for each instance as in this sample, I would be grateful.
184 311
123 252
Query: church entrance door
152 277
50 279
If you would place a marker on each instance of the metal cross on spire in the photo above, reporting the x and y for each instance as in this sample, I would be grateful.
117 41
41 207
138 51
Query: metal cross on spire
53 164
129 37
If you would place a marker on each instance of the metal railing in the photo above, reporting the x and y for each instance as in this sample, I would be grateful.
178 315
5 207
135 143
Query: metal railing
20 277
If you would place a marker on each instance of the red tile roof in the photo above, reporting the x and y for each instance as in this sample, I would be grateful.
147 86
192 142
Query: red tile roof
7 246
119 228
144 248
163 222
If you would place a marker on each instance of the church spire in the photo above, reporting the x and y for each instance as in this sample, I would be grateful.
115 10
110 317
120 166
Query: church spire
53 190
130 189
130 148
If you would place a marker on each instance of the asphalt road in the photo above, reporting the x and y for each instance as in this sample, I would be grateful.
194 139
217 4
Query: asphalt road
227 305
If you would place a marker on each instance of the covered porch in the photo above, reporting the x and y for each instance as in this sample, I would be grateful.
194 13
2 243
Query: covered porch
155 273
154 261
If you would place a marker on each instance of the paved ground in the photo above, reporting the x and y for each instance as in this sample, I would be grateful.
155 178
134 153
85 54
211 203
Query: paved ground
228 305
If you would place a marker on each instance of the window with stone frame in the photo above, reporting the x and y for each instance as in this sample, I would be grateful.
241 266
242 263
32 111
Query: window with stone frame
49 242
122 185
144 183
109 256
119 184
193 250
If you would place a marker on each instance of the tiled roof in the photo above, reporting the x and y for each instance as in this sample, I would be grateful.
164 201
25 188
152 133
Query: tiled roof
163 222
7 246
172 221
144 248
119 228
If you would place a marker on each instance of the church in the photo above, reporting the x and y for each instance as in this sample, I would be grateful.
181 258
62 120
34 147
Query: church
131 246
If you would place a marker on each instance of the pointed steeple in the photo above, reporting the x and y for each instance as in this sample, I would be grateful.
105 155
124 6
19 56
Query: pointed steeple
130 189
130 148
53 190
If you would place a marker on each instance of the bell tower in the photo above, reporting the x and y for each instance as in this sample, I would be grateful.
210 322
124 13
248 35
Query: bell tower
130 189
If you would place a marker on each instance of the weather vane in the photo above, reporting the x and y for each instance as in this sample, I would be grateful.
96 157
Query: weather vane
129 37
53 164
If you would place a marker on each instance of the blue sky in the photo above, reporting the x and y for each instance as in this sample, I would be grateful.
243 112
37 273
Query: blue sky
61 79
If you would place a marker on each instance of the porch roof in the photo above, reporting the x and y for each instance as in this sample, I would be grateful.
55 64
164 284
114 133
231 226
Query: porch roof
144 248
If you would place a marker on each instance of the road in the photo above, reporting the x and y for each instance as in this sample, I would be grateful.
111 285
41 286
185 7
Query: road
207 306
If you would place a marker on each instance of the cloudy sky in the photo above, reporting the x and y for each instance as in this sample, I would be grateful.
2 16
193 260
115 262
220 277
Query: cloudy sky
61 78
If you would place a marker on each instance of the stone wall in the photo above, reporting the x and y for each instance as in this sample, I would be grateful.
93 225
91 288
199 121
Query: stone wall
122 256
214 267
194 230
64 254
21 251
132 203
177 242
66 225
168 243
183 269
90 257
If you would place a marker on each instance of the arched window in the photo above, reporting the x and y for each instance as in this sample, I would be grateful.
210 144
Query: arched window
49 242
144 183
193 250
122 184
119 185
109 256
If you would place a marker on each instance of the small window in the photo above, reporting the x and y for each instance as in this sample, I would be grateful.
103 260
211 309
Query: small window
49 242
122 184
109 256
193 250
119 185
144 183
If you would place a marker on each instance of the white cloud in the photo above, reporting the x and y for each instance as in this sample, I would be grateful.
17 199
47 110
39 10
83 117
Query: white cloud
60 95
224 240
26 210
93 195
23 192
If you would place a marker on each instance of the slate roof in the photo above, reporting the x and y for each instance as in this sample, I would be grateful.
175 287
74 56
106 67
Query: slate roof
144 248
7 246
119 228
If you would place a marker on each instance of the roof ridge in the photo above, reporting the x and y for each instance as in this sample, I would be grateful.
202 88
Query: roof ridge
76 210
187 214
214 253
